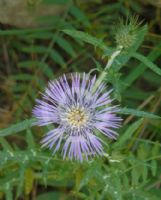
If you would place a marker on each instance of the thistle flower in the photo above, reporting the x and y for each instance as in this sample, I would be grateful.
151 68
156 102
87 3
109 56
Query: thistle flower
79 111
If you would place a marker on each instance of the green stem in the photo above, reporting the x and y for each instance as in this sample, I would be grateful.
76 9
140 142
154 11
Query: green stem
108 65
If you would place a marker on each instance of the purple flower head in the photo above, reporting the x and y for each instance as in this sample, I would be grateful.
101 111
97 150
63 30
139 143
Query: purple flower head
79 111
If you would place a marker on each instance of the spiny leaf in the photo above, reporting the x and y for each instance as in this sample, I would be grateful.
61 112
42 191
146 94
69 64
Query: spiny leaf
23 31
5 144
22 77
135 175
154 167
148 63
41 35
86 38
139 70
21 180
30 140
138 113
79 15
64 44
57 57
44 67
9 193
15 128
128 133
29 180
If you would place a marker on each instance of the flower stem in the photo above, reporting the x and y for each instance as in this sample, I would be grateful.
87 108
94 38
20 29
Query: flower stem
108 65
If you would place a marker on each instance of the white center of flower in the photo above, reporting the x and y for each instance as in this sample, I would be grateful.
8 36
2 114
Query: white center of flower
77 117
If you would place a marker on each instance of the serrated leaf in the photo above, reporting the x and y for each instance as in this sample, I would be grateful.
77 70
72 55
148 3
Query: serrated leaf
142 152
21 180
29 180
156 149
135 174
57 58
64 44
144 173
27 64
79 15
154 167
15 128
41 35
34 49
128 134
21 32
139 70
8 192
138 113
147 62
5 144
46 69
30 139
86 38
22 77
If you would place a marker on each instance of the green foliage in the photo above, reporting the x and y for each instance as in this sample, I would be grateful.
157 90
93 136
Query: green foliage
138 113
130 168
148 63
86 38
23 125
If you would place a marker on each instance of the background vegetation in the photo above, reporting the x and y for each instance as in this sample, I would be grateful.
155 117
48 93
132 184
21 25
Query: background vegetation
31 57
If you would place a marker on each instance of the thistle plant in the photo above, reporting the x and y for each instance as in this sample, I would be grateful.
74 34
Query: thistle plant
93 133
80 106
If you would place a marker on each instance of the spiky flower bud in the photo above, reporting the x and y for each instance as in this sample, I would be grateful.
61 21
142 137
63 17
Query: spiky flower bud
126 32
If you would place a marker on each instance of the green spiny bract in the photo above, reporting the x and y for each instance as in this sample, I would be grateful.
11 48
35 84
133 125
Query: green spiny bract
126 32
